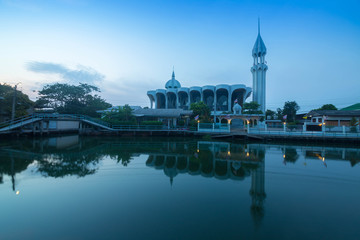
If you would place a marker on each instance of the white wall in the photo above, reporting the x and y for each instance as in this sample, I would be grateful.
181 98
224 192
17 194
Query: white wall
67 125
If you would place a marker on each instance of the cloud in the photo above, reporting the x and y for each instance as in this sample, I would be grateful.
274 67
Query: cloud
81 74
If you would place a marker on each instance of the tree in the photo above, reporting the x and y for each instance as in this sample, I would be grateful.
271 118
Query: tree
290 109
269 114
201 109
353 124
279 113
327 107
251 108
120 116
23 103
65 98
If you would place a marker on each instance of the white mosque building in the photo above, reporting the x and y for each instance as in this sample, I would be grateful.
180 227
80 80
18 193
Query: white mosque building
219 98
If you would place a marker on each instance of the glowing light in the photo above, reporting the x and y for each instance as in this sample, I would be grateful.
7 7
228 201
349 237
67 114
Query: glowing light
198 121
323 159
17 192
284 156
284 123
228 152
324 123
247 154
197 150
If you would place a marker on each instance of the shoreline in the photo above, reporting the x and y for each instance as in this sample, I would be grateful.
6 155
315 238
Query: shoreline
266 138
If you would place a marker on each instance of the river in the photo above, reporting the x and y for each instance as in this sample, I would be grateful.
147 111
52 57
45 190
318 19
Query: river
73 187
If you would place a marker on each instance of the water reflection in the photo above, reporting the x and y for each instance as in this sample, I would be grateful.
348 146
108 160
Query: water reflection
58 157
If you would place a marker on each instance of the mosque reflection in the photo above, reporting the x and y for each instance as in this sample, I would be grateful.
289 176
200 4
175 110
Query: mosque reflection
220 160
76 156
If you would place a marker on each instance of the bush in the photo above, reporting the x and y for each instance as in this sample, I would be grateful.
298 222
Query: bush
193 123
181 123
353 129
353 123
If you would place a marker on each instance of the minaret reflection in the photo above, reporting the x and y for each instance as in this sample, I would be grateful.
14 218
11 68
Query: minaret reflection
257 191
220 160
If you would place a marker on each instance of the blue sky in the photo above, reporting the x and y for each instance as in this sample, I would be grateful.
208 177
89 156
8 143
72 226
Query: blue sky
129 47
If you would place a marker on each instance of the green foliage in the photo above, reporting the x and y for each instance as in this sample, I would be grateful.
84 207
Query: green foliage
279 114
181 123
290 109
201 109
65 98
353 124
327 107
120 116
269 113
291 125
251 108
23 103
193 123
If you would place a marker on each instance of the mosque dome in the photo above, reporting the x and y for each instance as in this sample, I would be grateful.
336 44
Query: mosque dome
172 83
237 109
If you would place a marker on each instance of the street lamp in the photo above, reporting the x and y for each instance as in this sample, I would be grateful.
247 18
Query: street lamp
13 104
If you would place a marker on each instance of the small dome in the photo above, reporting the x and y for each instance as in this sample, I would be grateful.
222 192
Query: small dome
237 109
172 83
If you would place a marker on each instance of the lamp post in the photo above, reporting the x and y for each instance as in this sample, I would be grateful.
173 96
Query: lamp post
13 103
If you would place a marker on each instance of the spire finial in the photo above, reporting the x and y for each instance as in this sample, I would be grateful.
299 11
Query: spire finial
173 73
259 25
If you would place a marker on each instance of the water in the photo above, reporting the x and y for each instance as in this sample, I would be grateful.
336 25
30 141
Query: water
111 188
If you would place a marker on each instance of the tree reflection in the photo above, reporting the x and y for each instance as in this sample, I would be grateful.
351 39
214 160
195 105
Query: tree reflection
12 163
60 165
75 156
290 155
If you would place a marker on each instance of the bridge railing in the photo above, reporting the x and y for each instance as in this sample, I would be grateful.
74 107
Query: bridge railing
53 116
305 133
213 127
71 116
15 121
56 116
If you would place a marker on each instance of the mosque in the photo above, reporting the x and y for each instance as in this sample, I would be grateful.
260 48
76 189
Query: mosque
219 98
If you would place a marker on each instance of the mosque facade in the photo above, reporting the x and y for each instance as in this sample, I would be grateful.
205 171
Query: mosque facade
219 98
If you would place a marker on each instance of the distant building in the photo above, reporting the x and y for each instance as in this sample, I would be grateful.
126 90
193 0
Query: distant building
169 117
334 119
220 97
116 108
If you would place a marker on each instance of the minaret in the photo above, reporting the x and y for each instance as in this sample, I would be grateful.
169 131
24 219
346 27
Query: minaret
258 70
